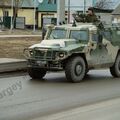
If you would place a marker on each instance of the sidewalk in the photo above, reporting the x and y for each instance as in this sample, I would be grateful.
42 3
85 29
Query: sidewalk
17 36
15 33
106 110
9 64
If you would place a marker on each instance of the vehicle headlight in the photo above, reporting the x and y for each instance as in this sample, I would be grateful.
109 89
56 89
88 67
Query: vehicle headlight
28 53
61 55
31 53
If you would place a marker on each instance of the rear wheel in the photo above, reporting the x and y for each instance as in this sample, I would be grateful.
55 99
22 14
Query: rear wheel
75 69
36 73
115 69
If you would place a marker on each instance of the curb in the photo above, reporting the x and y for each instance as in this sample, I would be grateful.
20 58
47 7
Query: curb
9 65
17 36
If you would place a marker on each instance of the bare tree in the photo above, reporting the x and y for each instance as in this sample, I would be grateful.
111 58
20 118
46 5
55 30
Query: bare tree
104 4
16 6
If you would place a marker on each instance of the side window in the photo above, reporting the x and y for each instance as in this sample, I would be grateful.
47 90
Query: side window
107 35
79 35
118 32
98 37
115 35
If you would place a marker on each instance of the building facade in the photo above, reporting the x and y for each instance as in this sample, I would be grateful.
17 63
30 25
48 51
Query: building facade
25 11
116 14
47 12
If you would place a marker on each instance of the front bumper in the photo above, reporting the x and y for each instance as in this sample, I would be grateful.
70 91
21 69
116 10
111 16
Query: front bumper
48 65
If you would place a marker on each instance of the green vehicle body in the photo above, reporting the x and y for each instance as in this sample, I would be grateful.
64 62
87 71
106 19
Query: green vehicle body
98 48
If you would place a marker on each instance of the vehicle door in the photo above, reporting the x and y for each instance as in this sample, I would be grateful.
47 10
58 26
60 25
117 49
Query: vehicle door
99 56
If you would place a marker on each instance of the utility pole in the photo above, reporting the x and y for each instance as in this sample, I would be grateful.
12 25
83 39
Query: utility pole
68 11
60 11
34 16
84 6
12 5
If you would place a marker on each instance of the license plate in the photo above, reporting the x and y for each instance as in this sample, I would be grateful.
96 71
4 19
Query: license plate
41 63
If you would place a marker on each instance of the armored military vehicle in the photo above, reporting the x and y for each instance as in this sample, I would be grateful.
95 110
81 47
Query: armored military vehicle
76 49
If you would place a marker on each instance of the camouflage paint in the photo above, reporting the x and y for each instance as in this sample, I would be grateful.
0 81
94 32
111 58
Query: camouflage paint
98 55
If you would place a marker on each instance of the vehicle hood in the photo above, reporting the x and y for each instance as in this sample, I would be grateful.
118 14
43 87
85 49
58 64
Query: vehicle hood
56 43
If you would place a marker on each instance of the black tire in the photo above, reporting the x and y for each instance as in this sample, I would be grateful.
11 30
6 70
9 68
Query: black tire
115 69
75 69
87 71
36 73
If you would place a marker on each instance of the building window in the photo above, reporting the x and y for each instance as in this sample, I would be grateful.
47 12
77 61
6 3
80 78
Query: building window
52 1
6 13
55 1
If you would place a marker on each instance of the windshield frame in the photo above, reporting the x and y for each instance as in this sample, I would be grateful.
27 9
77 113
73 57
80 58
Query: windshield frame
57 29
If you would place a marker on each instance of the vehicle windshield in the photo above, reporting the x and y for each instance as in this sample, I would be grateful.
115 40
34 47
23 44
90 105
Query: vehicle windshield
57 33
79 35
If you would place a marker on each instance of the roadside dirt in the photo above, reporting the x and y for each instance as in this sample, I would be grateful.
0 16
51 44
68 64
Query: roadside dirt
20 32
13 47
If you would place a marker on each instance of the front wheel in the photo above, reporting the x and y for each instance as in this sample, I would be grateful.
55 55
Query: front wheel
115 69
36 73
75 69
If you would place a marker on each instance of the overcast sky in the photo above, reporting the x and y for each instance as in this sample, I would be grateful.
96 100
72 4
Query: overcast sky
78 4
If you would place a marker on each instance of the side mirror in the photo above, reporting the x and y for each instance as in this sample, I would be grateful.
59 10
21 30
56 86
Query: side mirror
100 38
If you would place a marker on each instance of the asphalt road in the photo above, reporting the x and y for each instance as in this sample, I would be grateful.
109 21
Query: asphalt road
22 98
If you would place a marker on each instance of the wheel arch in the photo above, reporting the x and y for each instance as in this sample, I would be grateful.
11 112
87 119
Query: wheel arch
117 54
75 55
118 51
